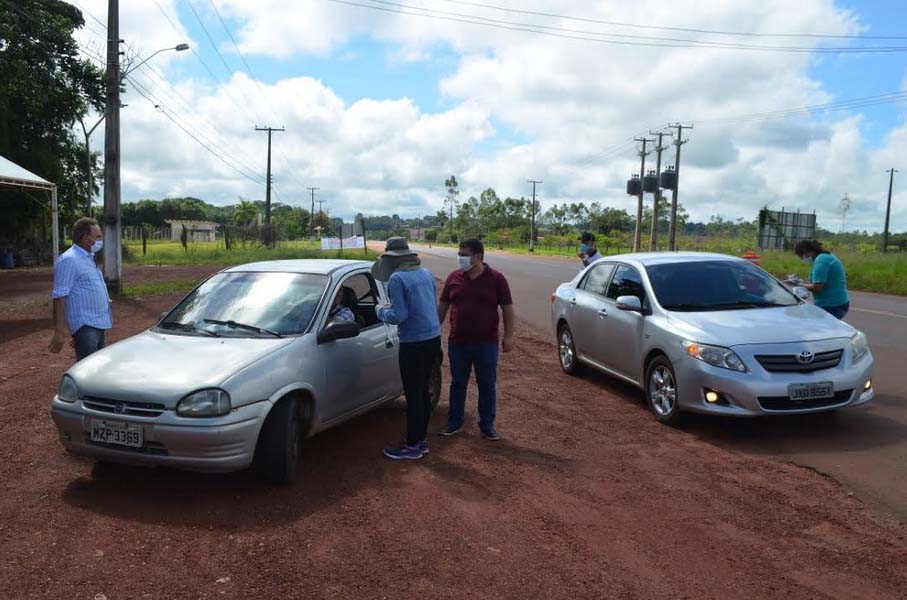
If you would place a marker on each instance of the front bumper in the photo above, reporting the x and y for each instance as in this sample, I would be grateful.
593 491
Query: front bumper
761 393
215 445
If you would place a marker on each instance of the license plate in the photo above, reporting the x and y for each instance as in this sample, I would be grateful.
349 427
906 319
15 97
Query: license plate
811 391
116 432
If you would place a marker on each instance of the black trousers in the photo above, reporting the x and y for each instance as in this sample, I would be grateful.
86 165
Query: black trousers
416 362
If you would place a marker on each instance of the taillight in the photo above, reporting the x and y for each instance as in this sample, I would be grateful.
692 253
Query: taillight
553 296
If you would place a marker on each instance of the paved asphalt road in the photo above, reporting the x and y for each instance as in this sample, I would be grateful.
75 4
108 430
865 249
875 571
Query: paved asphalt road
864 448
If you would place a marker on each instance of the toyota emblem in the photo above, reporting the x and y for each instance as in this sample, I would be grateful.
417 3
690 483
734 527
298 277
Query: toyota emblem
805 357
119 408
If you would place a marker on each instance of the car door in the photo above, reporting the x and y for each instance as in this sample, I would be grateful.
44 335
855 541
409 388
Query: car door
619 337
585 311
362 370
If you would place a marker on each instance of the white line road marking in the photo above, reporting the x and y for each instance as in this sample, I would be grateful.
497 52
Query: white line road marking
880 312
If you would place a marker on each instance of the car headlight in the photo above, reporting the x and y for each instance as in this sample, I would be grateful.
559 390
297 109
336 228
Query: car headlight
204 403
69 391
859 345
716 356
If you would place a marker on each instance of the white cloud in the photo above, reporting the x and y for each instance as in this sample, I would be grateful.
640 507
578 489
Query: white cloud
572 99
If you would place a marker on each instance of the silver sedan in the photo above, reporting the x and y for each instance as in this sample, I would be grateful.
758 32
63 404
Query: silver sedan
239 372
709 333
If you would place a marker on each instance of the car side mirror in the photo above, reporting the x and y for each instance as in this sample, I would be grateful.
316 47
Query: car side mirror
801 292
338 330
629 303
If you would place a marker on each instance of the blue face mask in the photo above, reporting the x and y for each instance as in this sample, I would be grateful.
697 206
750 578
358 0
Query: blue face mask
584 248
807 259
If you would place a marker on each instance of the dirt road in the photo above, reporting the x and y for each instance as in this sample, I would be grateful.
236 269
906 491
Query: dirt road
585 498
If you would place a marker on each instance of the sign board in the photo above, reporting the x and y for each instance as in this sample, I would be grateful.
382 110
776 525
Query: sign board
333 243
781 230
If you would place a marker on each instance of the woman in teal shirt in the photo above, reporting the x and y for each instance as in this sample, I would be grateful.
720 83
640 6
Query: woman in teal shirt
828 282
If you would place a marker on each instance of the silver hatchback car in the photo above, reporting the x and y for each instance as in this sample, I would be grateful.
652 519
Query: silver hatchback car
239 372
709 333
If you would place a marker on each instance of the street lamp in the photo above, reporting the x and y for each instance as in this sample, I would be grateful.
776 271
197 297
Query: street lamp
178 48
87 132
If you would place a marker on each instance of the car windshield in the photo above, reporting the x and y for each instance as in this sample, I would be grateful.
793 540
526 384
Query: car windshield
716 285
248 304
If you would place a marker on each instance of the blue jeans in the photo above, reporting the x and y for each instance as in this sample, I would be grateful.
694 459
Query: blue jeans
837 311
463 357
88 340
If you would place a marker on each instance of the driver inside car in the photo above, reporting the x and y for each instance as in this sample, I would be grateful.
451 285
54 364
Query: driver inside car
339 310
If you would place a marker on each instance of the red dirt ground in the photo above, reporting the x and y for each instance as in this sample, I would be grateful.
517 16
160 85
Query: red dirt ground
586 497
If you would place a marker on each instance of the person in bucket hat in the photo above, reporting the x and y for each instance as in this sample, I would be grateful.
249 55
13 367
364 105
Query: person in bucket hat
413 309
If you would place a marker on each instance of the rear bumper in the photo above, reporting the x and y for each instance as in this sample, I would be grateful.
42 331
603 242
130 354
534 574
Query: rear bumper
215 445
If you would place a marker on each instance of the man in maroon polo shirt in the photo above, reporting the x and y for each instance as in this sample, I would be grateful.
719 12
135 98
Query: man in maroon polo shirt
473 294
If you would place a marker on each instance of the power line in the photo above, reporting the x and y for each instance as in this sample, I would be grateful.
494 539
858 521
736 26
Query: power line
94 18
682 29
886 98
605 38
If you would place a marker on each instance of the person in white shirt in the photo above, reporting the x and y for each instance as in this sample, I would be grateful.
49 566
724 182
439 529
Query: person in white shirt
587 252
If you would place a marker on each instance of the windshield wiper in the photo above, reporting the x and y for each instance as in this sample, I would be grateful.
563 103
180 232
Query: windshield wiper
235 325
189 327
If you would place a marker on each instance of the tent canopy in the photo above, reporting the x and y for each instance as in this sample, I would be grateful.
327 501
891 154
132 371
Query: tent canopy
12 175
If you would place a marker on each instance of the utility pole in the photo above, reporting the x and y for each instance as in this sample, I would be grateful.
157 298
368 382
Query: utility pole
321 213
678 142
845 206
532 233
312 215
656 197
270 130
113 253
637 235
888 210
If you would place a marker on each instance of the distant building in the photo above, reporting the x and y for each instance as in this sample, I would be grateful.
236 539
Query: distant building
417 234
198 231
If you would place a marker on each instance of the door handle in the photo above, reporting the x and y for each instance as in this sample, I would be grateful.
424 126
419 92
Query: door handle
602 313
573 302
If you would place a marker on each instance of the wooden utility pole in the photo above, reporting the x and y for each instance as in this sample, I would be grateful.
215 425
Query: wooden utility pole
113 253
637 235
312 215
532 232
270 130
888 210
656 197
678 142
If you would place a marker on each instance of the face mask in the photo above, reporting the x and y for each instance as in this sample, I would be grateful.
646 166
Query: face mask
807 259
464 262
584 248
96 247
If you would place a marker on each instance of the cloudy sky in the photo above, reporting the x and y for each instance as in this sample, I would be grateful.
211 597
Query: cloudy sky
383 100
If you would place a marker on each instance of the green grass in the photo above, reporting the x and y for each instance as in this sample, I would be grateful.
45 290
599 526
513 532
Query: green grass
156 288
214 253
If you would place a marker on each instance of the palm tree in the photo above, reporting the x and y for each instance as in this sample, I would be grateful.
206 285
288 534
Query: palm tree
245 212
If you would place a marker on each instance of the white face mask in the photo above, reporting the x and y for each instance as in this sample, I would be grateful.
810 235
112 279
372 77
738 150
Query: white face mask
96 247
464 262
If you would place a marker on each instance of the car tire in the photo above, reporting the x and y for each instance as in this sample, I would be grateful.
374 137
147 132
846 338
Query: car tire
434 384
661 390
279 448
566 351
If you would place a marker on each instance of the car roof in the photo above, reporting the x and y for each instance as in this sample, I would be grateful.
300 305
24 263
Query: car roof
315 266
664 258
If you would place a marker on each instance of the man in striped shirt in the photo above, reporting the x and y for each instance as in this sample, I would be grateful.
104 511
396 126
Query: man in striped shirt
81 303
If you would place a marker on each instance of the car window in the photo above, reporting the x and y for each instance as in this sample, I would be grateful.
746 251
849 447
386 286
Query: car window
716 285
279 302
597 278
362 299
626 282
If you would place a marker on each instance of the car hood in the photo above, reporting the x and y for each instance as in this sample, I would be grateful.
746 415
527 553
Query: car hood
800 323
162 368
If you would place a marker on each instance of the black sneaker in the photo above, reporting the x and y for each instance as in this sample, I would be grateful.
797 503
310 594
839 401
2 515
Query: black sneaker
449 431
491 435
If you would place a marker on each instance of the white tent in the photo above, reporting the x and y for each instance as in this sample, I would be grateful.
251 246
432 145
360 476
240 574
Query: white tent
14 176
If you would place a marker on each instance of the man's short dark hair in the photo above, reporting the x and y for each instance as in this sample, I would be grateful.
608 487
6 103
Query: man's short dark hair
473 245
82 228
587 237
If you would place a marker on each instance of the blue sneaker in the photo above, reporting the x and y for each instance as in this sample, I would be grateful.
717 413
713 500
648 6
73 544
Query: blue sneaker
404 452
491 434
449 431
423 445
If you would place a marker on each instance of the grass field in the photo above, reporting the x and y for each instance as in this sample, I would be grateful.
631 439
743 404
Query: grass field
214 253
